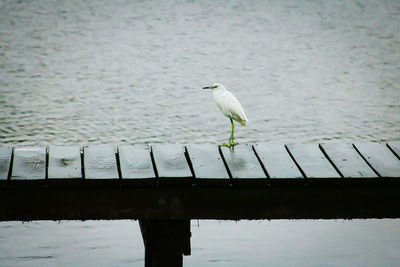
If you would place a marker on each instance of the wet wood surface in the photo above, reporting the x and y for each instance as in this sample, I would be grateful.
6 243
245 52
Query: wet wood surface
5 161
100 162
64 162
135 162
395 147
348 161
184 199
380 158
312 161
277 161
243 163
170 161
207 162
29 163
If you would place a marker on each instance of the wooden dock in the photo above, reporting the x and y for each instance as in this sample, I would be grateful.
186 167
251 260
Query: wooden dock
166 185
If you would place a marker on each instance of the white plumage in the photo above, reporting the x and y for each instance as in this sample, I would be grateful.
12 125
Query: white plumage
229 106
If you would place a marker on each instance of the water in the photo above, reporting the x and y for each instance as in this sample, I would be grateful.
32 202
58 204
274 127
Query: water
127 72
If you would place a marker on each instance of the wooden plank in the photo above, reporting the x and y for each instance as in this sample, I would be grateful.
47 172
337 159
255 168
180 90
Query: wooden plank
312 161
395 147
64 162
100 162
135 163
200 202
29 163
207 164
170 161
348 161
243 164
277 161
5 160
380 158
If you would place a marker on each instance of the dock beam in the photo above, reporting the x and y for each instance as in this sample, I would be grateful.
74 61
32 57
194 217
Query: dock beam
165 242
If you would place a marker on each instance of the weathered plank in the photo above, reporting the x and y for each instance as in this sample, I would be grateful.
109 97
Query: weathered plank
64 162
243 164
29 163
170 161
348 161
277 161
312 161
5 159
363 200
380 158
100 162
395 146
207 163
135 164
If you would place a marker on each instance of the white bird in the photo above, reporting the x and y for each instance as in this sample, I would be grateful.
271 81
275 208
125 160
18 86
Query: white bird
229 106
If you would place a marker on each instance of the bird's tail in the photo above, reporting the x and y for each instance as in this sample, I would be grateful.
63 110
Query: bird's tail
244 122
240 119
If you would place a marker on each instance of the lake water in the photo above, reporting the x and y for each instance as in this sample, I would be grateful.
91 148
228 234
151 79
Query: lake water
126 72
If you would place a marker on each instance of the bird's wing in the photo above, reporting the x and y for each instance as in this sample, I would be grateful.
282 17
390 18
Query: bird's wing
231 107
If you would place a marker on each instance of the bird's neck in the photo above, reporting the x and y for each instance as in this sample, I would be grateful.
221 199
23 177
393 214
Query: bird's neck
218 91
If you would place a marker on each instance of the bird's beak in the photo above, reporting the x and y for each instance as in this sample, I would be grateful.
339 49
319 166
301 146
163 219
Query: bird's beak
207 87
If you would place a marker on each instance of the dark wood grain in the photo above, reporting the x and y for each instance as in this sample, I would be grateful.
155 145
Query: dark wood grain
312 161
100 162
64 162
29 163
207 163
136 165
380 158
243 163
348 161
277 161
5 160
200 202
170 161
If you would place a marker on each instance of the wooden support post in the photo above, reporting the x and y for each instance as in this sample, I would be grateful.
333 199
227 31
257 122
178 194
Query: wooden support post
165 241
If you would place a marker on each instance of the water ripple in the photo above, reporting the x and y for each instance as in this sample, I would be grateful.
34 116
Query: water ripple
126 72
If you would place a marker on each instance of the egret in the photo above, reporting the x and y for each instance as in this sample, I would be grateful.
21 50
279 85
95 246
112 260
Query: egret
230 107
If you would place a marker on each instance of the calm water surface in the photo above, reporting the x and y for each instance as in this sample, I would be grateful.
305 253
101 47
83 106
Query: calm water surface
127 72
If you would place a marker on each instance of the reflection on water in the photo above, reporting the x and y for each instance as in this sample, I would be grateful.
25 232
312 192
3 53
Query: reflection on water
126 72
227 243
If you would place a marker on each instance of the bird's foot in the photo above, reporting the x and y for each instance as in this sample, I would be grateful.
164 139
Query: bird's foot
230 144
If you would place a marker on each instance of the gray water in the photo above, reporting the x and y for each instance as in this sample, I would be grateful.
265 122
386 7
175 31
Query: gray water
126 72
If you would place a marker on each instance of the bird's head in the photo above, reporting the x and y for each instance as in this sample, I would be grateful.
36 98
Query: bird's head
215 86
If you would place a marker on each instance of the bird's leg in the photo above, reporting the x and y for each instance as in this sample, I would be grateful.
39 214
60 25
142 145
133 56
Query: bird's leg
232 138
231 143
232 133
